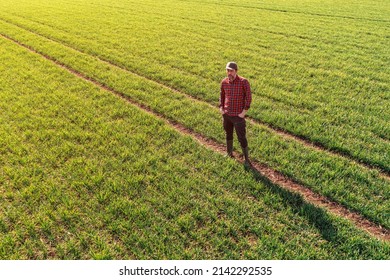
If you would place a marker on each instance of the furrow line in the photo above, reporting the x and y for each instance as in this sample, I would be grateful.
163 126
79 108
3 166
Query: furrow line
261 169
300 12
279 131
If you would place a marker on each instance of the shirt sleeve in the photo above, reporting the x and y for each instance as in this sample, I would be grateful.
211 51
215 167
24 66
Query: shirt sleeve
222 97
248 95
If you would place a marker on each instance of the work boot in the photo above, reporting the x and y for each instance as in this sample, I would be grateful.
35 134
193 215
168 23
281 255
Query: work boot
229 146
245 152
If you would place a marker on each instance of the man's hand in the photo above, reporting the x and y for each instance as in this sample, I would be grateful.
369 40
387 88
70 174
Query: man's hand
222 110
243 113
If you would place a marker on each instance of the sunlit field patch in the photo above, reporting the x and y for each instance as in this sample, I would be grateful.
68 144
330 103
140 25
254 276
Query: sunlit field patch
85 174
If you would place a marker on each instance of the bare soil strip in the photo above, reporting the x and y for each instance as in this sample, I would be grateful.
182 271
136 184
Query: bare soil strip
279 131
274 176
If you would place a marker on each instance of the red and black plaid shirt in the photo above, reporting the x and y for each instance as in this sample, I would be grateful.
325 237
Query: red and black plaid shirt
235 96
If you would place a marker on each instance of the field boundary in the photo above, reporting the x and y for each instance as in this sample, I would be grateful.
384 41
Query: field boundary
263 170
277 130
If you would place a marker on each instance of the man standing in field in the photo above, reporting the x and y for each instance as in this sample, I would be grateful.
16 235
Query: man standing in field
235 100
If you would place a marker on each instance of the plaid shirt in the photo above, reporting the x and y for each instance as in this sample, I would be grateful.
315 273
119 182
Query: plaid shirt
235 96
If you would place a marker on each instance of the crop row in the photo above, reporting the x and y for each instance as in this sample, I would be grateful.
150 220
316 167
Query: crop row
82 165
343 181
340 112
111 27
366 10
113 24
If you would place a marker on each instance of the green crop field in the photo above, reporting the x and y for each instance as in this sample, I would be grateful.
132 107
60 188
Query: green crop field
86 172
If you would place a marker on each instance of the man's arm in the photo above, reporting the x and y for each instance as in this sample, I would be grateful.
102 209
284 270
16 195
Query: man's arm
243 113
248 99
222 100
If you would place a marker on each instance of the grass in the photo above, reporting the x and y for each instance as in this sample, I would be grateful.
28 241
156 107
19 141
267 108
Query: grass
81 179
310 77
340 179
82 164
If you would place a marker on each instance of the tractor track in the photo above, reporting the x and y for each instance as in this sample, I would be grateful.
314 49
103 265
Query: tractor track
273 176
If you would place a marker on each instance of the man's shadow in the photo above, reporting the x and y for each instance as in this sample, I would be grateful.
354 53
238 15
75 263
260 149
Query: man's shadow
314 214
